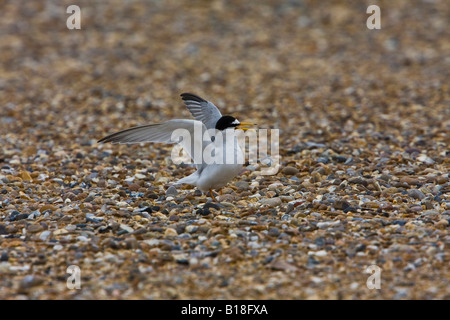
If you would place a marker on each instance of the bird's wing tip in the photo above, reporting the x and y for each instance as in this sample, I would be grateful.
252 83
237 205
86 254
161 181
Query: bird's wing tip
190 96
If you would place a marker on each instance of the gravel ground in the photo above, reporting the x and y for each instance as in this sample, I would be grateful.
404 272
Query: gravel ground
364 119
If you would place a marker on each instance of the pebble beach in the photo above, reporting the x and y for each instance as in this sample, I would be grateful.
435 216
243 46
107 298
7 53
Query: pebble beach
364 158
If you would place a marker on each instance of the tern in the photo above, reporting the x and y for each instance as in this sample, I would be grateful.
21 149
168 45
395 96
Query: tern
217 135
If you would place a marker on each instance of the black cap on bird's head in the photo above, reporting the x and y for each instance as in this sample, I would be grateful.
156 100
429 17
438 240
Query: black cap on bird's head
226 122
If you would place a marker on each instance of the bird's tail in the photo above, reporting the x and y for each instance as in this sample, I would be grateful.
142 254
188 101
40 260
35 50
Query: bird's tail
190 179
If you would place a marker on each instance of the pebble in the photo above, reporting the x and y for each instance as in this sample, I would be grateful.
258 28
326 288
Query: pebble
282 265
323 160
69 227
44 235
442 223
289 171
25 176
320 253
275 186
410 181
4 256
416 194
364 183
170 232
47 207
323 225
242 185
225 198
358 180
126 228
271 202
171 191
34 228
131 243
30 281
425 159
274 232
16 216
191 229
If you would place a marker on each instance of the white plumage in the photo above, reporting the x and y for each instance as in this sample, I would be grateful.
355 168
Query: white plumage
217 140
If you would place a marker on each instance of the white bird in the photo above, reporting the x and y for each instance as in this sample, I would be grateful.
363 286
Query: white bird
217 135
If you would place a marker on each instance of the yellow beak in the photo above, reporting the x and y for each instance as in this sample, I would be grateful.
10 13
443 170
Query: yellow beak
239 126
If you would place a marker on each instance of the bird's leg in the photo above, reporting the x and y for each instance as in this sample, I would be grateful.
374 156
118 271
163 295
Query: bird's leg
212 195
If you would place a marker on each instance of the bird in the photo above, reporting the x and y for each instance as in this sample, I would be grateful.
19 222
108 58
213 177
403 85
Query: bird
218 139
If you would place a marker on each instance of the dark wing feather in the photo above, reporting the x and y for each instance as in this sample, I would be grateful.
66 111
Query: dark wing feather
202 110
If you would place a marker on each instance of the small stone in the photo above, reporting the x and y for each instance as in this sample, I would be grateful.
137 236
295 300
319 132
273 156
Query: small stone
271 202
205 212
20 216
442 223
171 191
134 187
170 232
181 259
416 194
30 281
316 177
275 186
25 176
341 205
424 158
341 159
410 181
323 160
47 207
131 243
242 185
140 176
282 265
71 227
83 238
441 179
290 171
358 180
323 225
35 228
3 229
126 228
212 205
225 198
191 229
274 232
44 235
4 256
316 215
428 205
321 253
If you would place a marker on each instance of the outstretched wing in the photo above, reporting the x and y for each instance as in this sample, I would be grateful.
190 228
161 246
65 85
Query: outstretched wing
202 110
190 134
